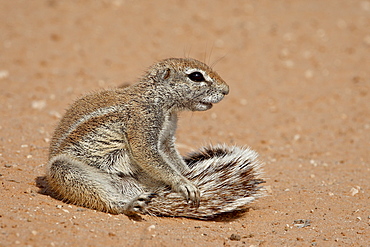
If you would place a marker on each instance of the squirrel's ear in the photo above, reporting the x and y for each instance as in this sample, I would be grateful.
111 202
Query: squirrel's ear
164 74
160 75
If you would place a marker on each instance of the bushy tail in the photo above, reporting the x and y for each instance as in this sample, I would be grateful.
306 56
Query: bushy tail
228 178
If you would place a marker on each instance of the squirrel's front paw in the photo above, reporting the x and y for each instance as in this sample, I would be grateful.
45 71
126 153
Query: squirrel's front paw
189 191
138 204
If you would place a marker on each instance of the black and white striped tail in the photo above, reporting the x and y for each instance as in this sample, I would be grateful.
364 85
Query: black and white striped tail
228 177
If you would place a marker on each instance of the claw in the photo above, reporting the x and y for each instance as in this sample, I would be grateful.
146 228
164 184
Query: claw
138 204
189 191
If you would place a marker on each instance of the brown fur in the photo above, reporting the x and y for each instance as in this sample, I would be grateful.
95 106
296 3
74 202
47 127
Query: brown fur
113 149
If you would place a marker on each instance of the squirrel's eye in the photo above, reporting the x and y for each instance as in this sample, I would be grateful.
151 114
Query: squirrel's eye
196 76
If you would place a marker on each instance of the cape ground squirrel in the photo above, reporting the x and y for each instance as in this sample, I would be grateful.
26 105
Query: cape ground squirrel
114 150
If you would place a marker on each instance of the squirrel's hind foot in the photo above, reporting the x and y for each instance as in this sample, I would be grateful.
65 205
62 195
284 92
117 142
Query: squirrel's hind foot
138 204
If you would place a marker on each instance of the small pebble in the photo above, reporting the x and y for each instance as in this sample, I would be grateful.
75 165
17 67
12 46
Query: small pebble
38 104
308 74
55 114
4 74
353 191
28 191
235 237
302 223
150 228
313 162
296 137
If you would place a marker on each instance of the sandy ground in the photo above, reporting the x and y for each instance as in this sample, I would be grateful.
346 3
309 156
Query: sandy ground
299 74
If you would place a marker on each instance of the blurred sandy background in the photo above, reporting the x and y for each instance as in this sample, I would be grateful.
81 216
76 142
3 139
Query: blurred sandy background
299 74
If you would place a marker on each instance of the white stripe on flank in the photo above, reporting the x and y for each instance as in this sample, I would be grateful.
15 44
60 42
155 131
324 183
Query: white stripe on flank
98 113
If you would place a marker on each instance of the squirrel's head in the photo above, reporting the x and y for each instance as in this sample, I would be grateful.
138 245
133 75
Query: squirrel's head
192 84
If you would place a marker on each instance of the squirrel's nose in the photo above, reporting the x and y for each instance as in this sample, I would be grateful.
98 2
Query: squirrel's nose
225 90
